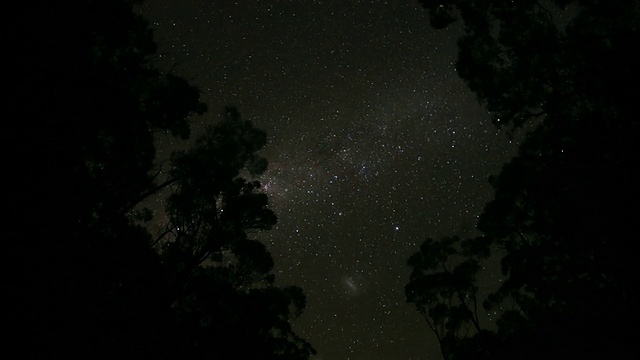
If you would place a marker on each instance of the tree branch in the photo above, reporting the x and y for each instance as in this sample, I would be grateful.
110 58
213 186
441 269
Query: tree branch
148 193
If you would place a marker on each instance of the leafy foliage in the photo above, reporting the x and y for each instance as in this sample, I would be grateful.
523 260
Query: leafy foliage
85 278
225 293
443 289
562 215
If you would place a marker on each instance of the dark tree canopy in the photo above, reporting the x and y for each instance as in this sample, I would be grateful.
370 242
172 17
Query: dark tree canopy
222 281
443 288
86 279
562 221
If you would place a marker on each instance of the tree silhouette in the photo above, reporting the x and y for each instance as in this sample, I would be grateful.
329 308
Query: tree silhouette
563 208
443 289
84 277
224 290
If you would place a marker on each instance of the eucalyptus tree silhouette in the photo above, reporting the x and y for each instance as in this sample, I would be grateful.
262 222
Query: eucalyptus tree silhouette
561 220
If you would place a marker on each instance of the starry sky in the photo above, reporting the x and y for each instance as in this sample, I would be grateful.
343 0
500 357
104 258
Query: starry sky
374 145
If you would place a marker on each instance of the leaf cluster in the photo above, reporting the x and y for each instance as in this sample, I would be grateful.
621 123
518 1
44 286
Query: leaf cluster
560 223
86 279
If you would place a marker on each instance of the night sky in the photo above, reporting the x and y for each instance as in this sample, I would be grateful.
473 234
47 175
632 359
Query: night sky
374 145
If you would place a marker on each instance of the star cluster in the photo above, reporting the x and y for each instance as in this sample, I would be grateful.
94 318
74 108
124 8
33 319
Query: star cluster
374 144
